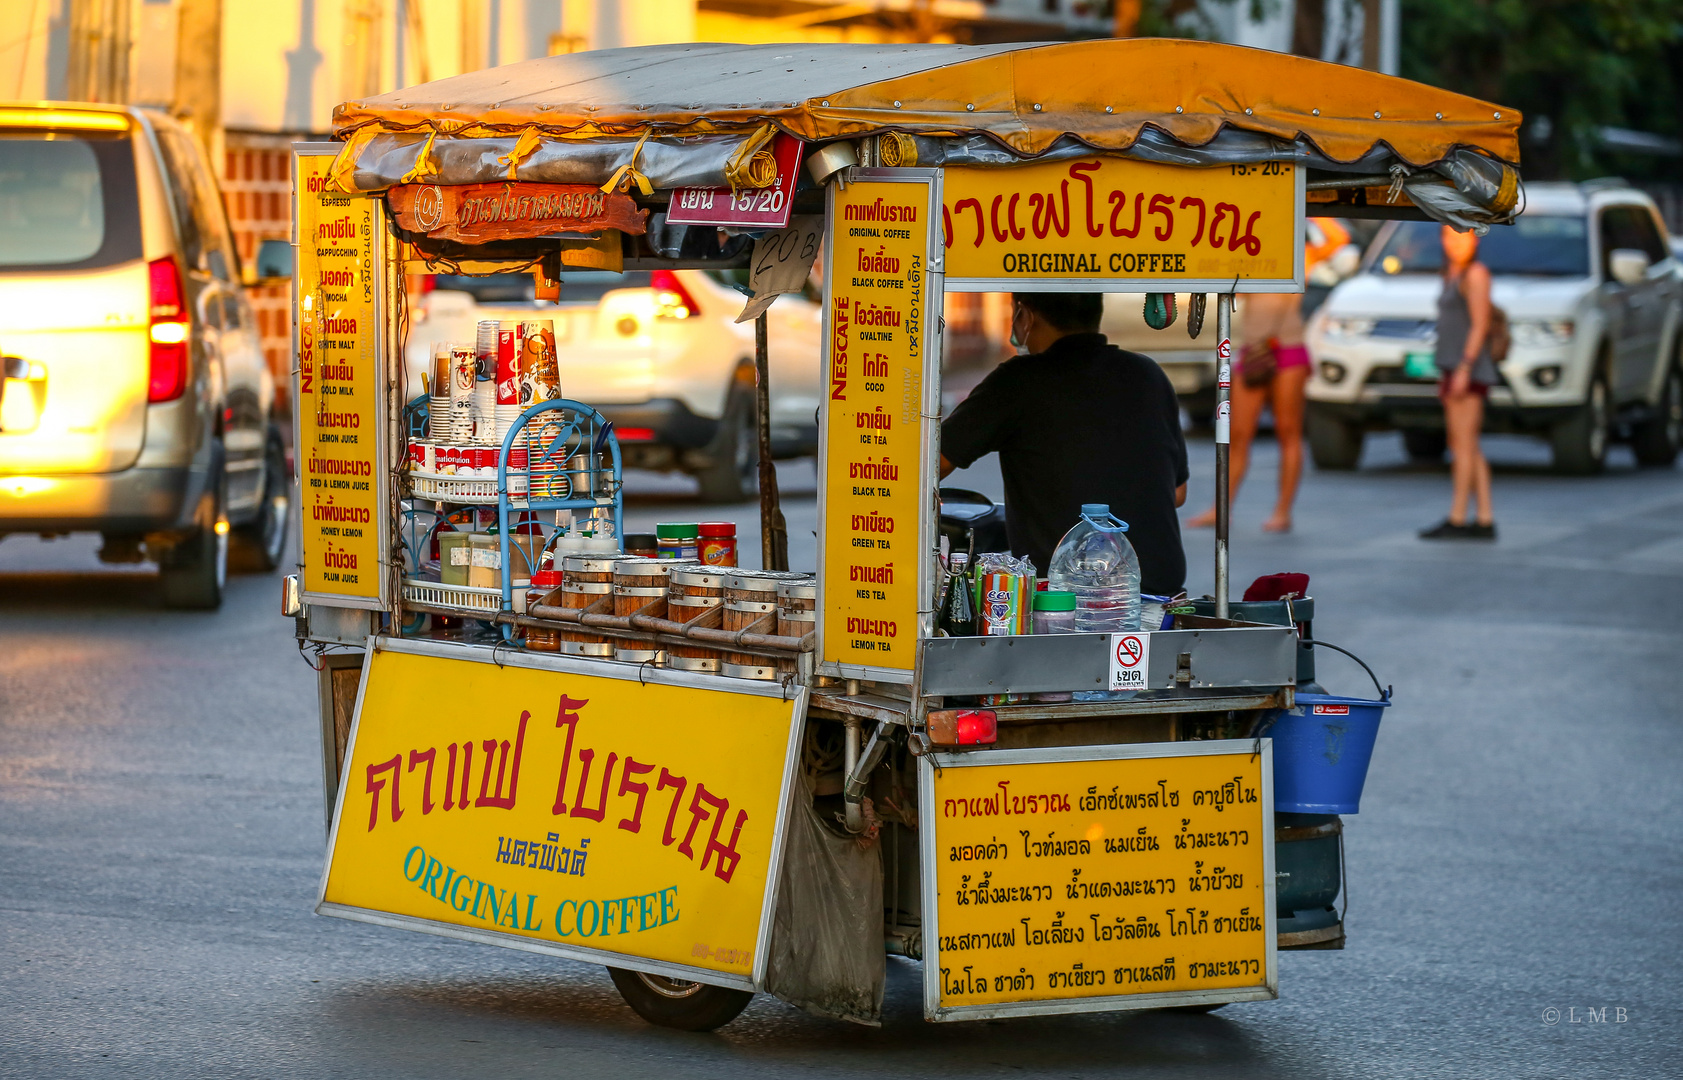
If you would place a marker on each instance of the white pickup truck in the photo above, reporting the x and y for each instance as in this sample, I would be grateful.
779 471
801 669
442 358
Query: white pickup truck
1594 294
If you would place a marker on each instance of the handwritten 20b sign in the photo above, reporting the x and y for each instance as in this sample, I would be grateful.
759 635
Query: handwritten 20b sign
1123 225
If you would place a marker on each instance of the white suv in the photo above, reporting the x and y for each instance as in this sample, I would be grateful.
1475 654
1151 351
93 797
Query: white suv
1594 295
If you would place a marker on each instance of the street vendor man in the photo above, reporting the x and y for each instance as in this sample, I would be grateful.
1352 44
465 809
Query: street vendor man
1077 420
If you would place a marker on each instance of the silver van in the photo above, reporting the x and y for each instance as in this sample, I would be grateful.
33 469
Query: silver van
134 400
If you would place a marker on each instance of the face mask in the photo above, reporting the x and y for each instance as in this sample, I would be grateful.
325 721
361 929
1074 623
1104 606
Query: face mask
1022 349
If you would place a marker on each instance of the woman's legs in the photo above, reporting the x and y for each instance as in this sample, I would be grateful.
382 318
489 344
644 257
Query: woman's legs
1288 397
1247 410
1463 416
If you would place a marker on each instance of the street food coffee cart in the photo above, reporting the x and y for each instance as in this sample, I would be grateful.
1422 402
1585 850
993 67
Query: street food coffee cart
775 795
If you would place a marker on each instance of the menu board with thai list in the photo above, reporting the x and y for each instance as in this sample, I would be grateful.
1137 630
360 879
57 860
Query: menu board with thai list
338 390
1098 877
880 297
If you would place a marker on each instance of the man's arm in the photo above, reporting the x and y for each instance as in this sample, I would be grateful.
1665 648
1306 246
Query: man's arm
1180 492
980 424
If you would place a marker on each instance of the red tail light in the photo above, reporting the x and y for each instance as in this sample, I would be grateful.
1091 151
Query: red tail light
963 727
672 300
171 332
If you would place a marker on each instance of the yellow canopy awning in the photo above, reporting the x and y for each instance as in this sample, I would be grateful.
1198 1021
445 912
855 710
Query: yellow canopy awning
1026 96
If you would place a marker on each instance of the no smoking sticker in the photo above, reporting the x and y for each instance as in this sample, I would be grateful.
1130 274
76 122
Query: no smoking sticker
1130 661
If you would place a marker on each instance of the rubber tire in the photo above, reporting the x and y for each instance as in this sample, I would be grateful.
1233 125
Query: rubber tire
194 573
1579 444
259 544
1658 439
1334 444
733 476
1425 444
1198 1008
701 1008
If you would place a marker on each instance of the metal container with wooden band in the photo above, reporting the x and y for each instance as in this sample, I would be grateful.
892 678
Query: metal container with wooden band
797 612
692 593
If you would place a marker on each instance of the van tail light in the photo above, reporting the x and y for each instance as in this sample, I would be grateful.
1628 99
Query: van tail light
672 300
170 332
963 727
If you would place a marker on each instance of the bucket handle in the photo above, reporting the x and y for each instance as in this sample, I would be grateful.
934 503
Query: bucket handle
1384 691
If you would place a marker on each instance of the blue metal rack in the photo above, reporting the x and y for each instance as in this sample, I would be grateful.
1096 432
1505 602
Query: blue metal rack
553 482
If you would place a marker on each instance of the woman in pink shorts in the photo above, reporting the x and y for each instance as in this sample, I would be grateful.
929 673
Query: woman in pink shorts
1271 323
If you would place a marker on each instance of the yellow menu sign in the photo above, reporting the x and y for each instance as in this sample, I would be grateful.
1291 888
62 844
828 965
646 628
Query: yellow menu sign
878 309
1110 875
595 817
338 391
1133 223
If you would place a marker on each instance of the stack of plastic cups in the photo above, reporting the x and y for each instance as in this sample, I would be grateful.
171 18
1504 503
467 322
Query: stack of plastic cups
508 402
440 424
540 382
485 384
462 381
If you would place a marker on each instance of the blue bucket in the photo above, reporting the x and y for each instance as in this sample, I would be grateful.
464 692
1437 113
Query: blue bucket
1322 748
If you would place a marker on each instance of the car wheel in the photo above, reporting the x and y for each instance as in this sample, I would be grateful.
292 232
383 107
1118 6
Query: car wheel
194 571
1580 442
734 454
1334 443
258 543
1425 444
1657 439
674 1003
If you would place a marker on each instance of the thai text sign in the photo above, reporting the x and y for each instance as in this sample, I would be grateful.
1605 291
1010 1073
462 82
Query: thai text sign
339 389
756 208
873 465
475 213
1098 873
1125 223
582 814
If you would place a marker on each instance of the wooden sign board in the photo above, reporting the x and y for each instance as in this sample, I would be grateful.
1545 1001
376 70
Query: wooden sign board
476 213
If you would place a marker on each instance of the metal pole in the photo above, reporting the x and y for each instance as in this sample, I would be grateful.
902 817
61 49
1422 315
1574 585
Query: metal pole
774 532
1223 423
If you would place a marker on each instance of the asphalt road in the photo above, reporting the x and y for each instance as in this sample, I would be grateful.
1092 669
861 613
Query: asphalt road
1518 852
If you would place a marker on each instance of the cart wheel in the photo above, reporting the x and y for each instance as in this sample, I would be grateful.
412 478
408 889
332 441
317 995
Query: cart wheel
1198 1008
674 1003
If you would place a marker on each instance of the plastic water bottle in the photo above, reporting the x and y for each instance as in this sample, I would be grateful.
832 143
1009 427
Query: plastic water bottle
1095 561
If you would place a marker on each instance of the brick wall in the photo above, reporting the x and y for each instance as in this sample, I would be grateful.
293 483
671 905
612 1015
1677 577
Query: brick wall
257 187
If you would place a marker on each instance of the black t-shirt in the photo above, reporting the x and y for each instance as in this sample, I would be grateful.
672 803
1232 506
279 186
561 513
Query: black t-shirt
1082 422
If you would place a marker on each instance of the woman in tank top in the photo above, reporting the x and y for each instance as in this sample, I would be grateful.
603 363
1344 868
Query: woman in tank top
1467 373
1274 322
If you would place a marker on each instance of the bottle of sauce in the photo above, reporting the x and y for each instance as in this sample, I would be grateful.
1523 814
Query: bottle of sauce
958 610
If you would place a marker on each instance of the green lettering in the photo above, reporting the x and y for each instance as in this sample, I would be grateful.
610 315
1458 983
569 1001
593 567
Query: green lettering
434 868
421 868
459 903
669 905
558 920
